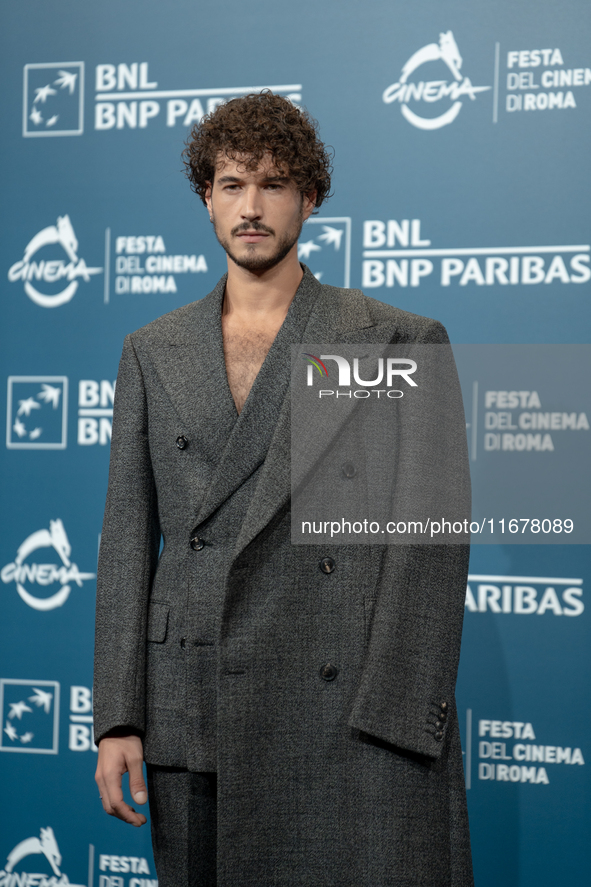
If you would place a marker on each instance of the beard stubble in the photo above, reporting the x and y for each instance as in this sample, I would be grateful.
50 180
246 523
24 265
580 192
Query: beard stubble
253 262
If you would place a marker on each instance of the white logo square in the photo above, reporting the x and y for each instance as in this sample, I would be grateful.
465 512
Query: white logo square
37 413
30 716
328 253
53 99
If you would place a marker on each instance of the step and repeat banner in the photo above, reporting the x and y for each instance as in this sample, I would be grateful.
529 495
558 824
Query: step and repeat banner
461 192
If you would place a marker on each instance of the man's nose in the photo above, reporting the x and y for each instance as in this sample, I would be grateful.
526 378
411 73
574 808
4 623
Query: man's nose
252 207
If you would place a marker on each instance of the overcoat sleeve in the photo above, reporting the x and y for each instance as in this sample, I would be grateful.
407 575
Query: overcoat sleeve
127 561
406 691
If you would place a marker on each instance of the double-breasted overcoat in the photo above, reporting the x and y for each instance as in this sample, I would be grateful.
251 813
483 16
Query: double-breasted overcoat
322 696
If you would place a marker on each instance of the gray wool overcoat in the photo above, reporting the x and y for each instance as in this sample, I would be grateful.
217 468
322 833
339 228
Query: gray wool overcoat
214 648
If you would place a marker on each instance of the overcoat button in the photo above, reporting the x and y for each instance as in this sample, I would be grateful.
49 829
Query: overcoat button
439 736
349 469
443 706
442 716
196 543
328 672
439 725
181 442
183 642
327 565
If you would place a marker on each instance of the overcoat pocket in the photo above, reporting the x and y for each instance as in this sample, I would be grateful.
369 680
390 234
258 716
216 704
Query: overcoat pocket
157 622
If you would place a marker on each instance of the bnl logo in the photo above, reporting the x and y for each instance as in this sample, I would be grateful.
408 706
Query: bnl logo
327 252
37 413
30 716
53 99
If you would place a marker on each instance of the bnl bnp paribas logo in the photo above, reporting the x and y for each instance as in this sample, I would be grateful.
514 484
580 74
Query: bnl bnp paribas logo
51 268
30 715
37 412
125 97
47 585
429 93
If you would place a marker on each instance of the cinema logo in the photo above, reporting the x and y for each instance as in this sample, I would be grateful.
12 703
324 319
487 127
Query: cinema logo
387 371
397 255
44 272
45 850
524 595
32 579
431 92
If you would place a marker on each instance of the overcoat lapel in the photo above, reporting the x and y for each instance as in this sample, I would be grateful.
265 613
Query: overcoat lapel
338 316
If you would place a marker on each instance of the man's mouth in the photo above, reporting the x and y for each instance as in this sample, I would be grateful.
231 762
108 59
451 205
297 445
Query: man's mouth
253 233
252 236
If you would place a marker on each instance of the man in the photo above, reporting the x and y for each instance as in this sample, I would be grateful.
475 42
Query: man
294 705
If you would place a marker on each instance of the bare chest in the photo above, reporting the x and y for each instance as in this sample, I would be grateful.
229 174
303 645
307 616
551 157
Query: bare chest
244 353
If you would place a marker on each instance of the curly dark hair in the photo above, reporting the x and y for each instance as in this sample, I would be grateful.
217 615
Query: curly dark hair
252 126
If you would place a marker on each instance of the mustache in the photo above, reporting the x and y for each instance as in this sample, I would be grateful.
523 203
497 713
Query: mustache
251 226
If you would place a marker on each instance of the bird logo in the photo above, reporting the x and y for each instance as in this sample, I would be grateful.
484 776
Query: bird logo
37 408
41 699
29 716
328 252
53 99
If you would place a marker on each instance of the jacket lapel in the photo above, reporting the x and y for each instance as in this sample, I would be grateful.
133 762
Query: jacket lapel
190 365
253 430
338 317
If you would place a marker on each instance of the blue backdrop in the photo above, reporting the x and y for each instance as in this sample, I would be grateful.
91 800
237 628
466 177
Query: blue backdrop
461 135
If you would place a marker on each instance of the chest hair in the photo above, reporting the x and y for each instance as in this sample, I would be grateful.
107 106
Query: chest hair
245 352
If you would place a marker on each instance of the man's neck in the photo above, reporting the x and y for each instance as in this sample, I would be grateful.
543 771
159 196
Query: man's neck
262 298
253 311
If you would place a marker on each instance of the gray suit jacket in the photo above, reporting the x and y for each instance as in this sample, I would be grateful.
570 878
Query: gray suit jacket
215 651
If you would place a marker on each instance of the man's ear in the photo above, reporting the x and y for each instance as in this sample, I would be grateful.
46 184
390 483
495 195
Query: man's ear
309 204
208 199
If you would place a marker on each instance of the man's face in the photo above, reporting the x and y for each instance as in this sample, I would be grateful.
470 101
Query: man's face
257 216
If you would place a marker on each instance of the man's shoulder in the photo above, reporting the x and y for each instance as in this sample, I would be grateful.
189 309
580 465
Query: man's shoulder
414 327
408 327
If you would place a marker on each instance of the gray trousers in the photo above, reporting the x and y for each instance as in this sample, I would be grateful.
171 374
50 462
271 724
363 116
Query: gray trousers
183 811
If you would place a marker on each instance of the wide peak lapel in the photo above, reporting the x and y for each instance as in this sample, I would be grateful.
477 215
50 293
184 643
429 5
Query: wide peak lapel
191 367
248 444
